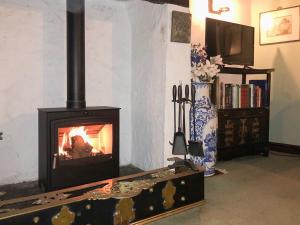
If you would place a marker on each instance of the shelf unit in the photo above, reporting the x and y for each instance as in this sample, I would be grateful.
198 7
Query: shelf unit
244 131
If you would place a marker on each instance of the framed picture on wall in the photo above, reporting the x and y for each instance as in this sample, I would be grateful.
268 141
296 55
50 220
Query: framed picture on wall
181 27
278 26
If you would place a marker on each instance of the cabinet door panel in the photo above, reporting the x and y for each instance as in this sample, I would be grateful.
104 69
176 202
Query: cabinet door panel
242 127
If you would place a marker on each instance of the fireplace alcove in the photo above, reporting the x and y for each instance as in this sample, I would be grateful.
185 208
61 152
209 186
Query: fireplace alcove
77 144
82 161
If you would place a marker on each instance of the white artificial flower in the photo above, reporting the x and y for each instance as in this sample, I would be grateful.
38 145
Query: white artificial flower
205 70
216 60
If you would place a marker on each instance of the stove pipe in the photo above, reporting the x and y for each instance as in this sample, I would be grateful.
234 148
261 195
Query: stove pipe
75 54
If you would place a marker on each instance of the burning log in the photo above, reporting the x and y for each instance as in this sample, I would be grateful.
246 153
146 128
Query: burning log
78 148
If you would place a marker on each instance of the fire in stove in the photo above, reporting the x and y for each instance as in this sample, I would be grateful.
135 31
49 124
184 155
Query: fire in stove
84 141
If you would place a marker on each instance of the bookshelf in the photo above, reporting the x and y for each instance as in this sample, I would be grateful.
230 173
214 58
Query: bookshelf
244 130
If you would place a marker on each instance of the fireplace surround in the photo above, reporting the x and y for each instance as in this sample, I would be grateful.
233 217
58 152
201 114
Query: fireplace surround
77 144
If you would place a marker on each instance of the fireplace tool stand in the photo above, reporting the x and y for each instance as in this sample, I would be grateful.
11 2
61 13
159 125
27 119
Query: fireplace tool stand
179 145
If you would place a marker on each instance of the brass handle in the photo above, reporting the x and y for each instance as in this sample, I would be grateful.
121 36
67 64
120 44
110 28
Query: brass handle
54 161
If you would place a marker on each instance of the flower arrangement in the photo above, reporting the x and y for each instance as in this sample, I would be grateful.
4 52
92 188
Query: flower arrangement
203 69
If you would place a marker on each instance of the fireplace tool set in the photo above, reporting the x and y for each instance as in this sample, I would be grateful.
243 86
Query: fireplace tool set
179 145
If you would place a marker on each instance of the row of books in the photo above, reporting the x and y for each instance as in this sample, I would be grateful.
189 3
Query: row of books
249 95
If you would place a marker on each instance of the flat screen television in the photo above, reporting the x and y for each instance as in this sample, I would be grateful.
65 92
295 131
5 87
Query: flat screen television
234 42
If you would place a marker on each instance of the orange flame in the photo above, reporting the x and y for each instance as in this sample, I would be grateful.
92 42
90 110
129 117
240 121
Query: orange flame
79 131
95 140
75 131
61 147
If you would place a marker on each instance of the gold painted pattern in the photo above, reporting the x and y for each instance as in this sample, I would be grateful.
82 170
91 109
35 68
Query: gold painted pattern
168 195
127 189
120 190
64 217
125 212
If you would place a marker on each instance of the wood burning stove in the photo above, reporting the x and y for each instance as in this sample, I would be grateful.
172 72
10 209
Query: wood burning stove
77 144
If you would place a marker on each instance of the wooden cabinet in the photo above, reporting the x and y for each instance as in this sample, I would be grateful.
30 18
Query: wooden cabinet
244 131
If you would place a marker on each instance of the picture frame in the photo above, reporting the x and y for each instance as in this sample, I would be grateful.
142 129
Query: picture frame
181 27
279 26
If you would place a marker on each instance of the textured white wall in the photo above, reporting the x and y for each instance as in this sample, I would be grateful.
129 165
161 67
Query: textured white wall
148 82
33 73
108 63
157 64
285 95
178 67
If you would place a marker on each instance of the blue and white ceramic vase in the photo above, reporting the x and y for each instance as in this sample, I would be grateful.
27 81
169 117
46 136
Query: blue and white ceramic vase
206 127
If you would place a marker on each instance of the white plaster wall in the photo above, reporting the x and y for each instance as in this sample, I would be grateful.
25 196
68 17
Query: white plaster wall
33 73
178 68
149 45
285 95
108 63
157 64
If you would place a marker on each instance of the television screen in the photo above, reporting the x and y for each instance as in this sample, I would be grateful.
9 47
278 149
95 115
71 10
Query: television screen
234 42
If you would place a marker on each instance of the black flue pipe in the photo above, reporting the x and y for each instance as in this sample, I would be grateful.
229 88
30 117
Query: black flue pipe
75 54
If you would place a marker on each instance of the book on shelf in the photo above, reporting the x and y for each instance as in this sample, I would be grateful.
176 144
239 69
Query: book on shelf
221 95
252 96
240 95
245 95
217 92
258 92
228 95
235 96
264 90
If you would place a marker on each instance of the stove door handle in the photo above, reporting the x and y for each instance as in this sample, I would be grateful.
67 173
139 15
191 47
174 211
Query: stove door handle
54 161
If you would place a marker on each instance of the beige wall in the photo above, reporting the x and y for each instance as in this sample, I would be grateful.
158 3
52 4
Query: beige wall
239 13
285 92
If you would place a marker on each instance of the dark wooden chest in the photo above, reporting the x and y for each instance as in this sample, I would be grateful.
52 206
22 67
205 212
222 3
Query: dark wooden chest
136 199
